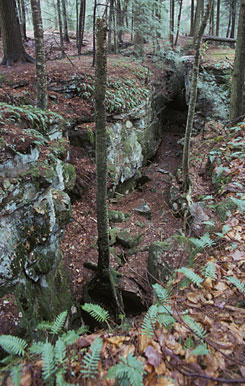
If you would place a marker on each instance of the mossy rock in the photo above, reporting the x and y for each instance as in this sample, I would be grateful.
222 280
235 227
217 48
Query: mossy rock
157 267
117 216
224 209
127 240
69 176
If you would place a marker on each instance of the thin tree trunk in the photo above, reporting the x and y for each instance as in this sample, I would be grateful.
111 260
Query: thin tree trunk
77 23
66 34
238 76
178 23
217 17
211 21
192 18
61 30
101 150
94 30
81 25
42 89
229 24
198 14
111 17
192 101
171 34
233 19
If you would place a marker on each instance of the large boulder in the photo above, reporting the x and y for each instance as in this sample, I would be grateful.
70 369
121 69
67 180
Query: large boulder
34 209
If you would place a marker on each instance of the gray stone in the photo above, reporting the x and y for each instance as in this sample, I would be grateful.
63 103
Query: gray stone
127 240
144 210
156 260
117 216
199 216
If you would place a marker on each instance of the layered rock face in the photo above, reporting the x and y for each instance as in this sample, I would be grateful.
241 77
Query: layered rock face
34 209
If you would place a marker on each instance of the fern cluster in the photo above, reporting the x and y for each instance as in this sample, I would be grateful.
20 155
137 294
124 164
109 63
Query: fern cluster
128 372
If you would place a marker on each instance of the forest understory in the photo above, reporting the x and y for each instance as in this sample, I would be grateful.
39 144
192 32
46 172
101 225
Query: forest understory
212 297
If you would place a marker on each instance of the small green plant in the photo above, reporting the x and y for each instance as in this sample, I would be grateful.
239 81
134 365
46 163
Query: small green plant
128 372
191 275
97 312
91 360
237 283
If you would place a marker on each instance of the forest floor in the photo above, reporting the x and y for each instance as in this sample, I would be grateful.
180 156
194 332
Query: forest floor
215 305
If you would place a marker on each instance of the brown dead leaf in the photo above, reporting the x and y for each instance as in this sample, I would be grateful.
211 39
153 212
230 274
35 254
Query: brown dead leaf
26 379
153 356
143 341
238 255
162 381
130 349
117 340
161 369
221 286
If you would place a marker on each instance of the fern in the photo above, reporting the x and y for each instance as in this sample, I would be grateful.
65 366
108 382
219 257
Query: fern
209 271
36 348
59 323
161 293
201 349
97 312
196 279
91 360
165 316
13 345
194 326
48 365
59 351
128 372
239 285
203 242
71 336
16 374
149 321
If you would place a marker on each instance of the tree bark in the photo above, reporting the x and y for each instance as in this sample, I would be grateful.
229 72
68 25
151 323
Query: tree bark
81 25
41 71
192 101
218 39
138 33
60 29
171 21
233 18
238 76
101 149
13 49
94 31
178 23
66 34
197 22
192 18
217 17
110 26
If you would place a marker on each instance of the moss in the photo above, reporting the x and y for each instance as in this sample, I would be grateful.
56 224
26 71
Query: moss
69 176
224 209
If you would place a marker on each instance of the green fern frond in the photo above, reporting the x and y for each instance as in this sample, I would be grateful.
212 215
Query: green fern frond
149 322
48 366
189 343
16 374
209 271
59 351
96 311
59 323
161 293
201 349
36 348
13 345
194 326
44 326
234 280
128 372
165 316
91 359
196 279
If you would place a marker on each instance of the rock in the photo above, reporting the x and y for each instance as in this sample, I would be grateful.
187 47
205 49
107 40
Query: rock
144 210
224 209
155 263
199 216
34 210
127 240
117 216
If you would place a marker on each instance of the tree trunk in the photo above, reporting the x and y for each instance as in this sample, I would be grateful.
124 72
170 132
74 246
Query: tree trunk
111 18
94 31
61 30
81 25
42 93
211 21
217 17
138 34
101 150
66 34
13 49
233 18
192 101
198 14
171 21
238 76
229 24
178 24
192 18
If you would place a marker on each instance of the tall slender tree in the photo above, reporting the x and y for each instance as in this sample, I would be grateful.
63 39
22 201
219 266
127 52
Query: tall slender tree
171 20
192 101
66 34
238 76
81 25
60 29
13 49
41 71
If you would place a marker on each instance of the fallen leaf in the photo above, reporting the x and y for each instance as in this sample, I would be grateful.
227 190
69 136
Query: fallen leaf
153 356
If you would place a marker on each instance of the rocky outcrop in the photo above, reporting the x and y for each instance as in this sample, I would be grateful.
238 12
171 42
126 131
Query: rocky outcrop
34 208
